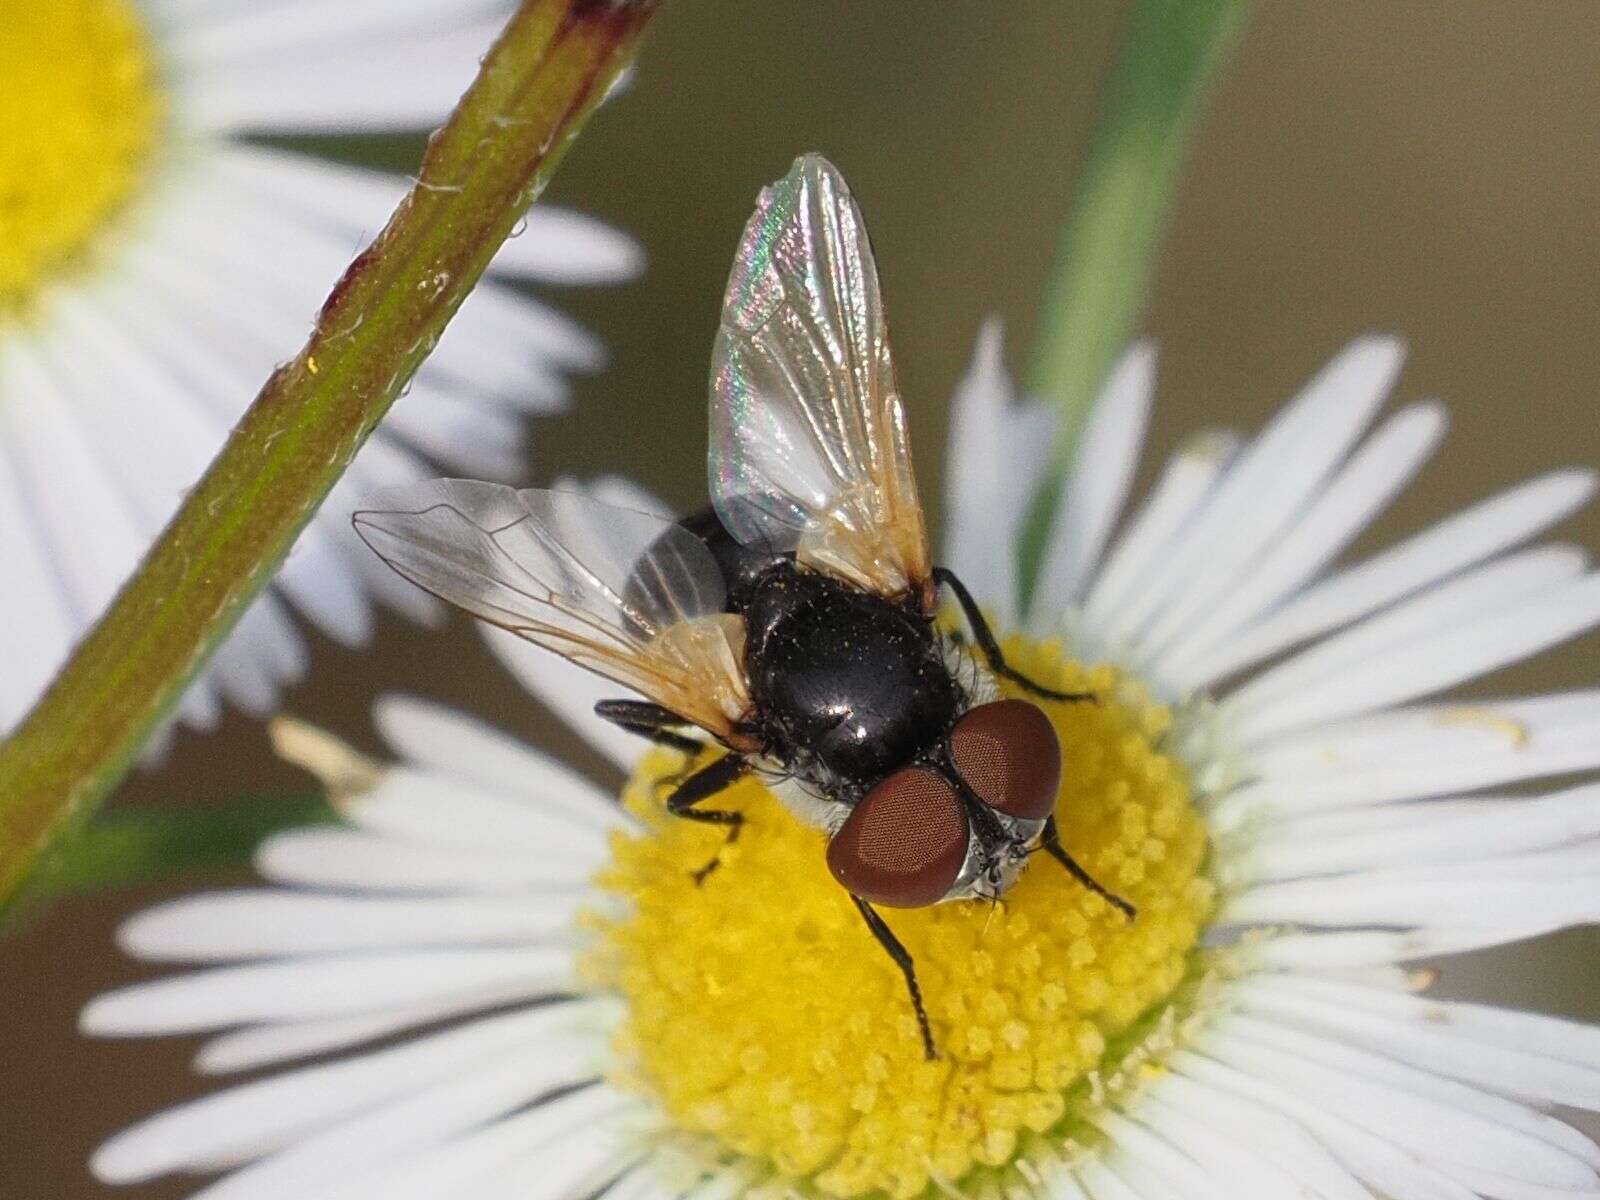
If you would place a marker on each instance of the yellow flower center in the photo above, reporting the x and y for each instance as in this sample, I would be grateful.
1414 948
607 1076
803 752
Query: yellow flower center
79 118
770 1027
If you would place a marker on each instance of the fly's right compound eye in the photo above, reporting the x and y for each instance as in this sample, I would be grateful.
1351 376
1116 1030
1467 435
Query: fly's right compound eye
1008 753
905 843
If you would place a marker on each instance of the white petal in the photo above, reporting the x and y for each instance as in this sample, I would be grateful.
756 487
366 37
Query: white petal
263 652
1469 537
498 310
1097 486
556 244
277 1109
329 89
1491 588
1408 1030
1265 489
1352 949
1446 831
366 1146
38 626
503 344
1503 1187
1363 487
1401 898
268 1044
260 923
413 805
570 692
620 491
1443 730
1438 1119
565 246
451 743
985 493
348 858
1428 750
232 32
323 586
1154 1166
88 529
1489 619
644 1181
594 1125
1114 601
1104 1184
460 434
147 431
1205 1118
1566 1041
1386 1168
296 990
1249 1176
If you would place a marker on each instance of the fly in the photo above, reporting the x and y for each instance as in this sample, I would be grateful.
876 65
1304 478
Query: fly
793 622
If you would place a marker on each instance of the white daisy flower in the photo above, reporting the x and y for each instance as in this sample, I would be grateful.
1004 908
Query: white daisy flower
155 263
566 1014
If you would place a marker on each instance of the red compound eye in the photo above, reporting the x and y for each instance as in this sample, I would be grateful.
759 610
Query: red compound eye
904 844
1009 755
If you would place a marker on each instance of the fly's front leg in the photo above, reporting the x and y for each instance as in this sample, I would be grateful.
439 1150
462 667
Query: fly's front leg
705 783
985 638
649 721
902 959
659 725
1050 840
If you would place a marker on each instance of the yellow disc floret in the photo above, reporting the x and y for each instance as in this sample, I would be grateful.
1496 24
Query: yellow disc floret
767 1023
79 118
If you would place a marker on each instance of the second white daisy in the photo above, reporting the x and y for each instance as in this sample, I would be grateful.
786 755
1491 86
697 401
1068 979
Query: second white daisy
155 264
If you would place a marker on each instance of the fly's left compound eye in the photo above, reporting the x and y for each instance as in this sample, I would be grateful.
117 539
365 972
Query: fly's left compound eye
905 843
1008 753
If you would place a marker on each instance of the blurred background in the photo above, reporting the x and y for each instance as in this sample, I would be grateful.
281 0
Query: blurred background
1428 169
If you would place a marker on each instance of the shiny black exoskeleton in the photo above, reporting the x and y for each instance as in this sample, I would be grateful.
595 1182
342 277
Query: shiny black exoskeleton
846 685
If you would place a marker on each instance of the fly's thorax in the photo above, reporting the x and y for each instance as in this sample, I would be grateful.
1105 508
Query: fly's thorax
849 685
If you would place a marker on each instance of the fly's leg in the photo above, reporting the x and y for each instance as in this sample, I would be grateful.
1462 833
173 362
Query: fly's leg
1050 839
991 648
649 721
659 725
705 783
902 959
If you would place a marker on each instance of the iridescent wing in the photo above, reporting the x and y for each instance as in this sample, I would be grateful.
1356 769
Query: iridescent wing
808 437
629 595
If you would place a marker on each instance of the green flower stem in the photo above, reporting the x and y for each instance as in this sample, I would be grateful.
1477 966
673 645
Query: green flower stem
546 73
1107 251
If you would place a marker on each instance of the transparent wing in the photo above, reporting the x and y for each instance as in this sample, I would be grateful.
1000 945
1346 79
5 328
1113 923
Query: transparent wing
808 438
629 595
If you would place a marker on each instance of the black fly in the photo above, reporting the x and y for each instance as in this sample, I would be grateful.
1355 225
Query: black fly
794 621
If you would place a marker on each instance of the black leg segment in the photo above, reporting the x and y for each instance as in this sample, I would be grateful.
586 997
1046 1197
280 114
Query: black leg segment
649 721
985 638
1050 839
902 959
702 785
